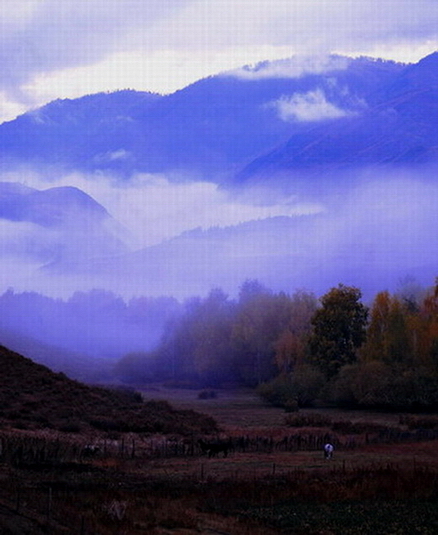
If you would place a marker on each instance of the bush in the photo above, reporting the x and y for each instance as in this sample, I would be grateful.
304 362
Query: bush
70 427
307 382
308 420
302 387
278 392
207 394
361 385
291 405
414 390
419 422
377 385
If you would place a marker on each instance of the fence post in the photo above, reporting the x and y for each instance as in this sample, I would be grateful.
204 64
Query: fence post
17 505
49 504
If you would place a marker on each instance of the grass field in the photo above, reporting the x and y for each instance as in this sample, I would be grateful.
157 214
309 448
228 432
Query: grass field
274 480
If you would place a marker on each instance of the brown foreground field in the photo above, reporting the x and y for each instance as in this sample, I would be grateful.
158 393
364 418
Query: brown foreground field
383 478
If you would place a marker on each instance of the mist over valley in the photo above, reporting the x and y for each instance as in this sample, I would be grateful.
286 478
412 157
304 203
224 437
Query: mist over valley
303 173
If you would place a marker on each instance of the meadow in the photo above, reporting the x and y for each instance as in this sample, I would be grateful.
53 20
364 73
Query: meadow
383 477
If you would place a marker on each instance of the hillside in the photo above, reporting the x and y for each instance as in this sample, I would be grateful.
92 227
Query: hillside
209 129
42 226
346 243
397 127
73 363
34 397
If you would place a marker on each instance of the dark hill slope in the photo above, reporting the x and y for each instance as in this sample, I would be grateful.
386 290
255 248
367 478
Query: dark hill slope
33 397
79 366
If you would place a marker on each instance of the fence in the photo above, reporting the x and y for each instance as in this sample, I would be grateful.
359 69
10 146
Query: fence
31 449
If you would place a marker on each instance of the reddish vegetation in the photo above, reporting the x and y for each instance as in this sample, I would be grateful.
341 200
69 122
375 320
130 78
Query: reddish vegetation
274 479
33 397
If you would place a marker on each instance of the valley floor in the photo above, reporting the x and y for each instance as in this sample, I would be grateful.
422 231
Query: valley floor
268 483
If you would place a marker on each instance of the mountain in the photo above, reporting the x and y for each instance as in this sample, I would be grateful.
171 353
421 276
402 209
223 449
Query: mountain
208 130
54 207
397 127
82 133
41 226
34 397
320 128
353 139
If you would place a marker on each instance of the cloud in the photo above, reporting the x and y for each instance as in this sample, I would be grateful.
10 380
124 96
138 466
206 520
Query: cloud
153 209
43 36
294 67
162 71
167 43
368 231
307 107
25 240
304 25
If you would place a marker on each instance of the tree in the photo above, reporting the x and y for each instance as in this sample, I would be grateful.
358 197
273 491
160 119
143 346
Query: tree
261 318
212 354
429 314
394 333
196 346
291 346
339 329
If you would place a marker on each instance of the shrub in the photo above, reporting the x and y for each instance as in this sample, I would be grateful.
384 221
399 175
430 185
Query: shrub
207 394
377 385
308 420
414 390
307 382
278 392
291 405
419 422
364 385
302 387
70 427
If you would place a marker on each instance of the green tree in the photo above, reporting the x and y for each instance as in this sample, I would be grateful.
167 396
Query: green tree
339 329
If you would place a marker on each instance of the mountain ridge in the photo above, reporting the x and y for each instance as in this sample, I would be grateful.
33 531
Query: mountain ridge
210 129
54 223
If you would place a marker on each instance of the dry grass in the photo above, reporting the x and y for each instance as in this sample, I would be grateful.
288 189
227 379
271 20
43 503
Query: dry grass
262 489
33 397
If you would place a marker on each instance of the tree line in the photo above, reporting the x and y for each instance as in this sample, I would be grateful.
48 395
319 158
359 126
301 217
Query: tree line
296 349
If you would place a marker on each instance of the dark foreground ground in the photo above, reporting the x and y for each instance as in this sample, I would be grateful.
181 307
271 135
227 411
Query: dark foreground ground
383 478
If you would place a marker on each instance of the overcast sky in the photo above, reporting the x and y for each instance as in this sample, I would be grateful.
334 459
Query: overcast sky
66 48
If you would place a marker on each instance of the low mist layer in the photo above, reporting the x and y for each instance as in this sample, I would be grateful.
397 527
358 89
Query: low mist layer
372 229
369 228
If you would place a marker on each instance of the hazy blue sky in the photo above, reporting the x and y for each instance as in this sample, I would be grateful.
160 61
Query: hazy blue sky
52 48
